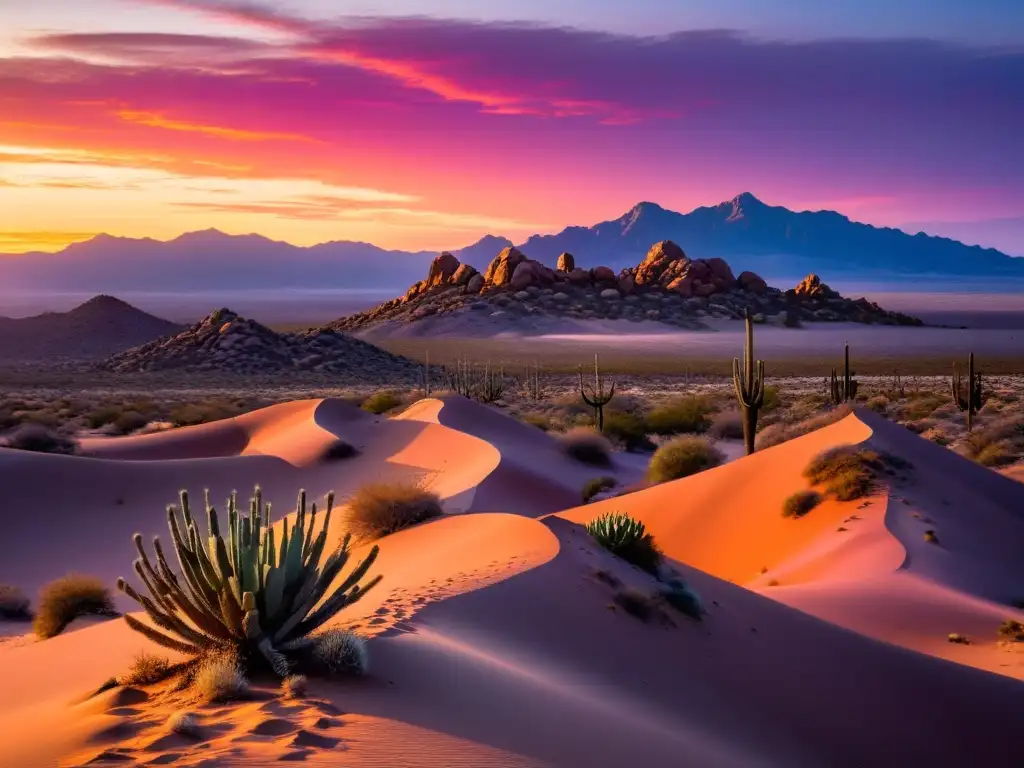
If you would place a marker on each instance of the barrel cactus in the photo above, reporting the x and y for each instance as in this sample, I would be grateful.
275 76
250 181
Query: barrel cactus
246 594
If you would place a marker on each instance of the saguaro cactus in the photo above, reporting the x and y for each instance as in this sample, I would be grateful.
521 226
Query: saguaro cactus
845 390
748 379
597 398
969 398
530 385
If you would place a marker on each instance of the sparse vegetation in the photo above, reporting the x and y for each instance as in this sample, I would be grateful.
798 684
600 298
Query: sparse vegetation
683 414
379 509
586 446
40 439
14 606
267 613
381 402
1011 631
595 395
846 472
748 380
627 538
956 637
930 537
338 450
184 724
682 457
147 669
627 429
681 596
726 425
68 598
968 396
596 486
800 503
294 686
341 652
780 432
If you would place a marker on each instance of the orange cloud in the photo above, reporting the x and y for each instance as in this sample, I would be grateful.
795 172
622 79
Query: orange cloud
156 120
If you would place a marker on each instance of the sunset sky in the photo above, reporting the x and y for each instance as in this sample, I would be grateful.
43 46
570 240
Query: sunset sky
428 123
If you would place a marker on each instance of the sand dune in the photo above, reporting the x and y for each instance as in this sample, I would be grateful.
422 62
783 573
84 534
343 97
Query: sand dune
494 644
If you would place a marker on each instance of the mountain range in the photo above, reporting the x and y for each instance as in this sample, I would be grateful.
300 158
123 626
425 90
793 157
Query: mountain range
751 235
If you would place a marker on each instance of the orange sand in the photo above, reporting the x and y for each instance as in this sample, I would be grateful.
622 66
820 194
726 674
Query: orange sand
494 644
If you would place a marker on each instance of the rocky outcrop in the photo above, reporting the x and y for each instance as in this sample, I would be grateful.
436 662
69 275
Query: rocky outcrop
224 342
667 287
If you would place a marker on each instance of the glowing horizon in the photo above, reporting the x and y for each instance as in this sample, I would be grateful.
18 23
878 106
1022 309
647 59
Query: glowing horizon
432 127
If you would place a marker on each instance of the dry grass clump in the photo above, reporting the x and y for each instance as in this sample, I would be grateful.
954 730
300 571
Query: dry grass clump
294 686
996 444
681 596
586 446
595 486
66 599
191 414
780 432
800 503
338 450
846 472
1012 631
381 402
378 509
956 637
40 439
726 425
627 429
684 414
147 669
682 457
219 678
184 724
919 405
14 606
340 652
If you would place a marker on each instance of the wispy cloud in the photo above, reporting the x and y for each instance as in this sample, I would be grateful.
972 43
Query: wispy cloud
156 120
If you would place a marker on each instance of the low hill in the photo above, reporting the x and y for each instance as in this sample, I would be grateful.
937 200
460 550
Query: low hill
224 342
518 294
100 327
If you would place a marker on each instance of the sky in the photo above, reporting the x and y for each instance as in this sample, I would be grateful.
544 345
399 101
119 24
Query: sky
425 124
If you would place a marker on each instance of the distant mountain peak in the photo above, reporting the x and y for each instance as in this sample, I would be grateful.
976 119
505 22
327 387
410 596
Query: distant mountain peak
103 302
741 205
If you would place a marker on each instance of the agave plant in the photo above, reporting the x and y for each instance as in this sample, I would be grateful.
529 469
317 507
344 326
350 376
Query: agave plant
246 593
626 537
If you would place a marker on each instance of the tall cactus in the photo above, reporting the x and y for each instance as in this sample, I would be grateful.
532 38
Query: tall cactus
969 398
531 383
748 380
491 385
846 389
597 398
246 593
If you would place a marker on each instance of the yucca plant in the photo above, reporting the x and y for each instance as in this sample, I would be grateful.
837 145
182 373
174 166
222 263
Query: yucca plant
245 594
627 538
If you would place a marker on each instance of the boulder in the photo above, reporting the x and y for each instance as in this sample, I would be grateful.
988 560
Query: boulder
441 269
752 282
579 277
463 274
566 263
626 284
812 287
475 283
720 269
503 266
661 257
610 294
530 273
682 285
602 275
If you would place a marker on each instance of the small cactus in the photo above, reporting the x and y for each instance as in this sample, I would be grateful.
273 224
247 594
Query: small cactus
748 379
842 391
968 397
597 398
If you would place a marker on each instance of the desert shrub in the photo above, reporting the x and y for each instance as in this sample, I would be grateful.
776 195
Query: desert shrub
41 439
378 509
800 503
381 402
147 669
595 485
538 420
338 450
846 472
636 603
772 399
14 606
130 421
626 428
684 414
294 686
191 414
726 425
586 446
246 612
682 457
1012 631
627 538
878 404
184 724
930 537
66 599
921 406
990 447
219 678
777 433
102 416
681 596
340 652
956 637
